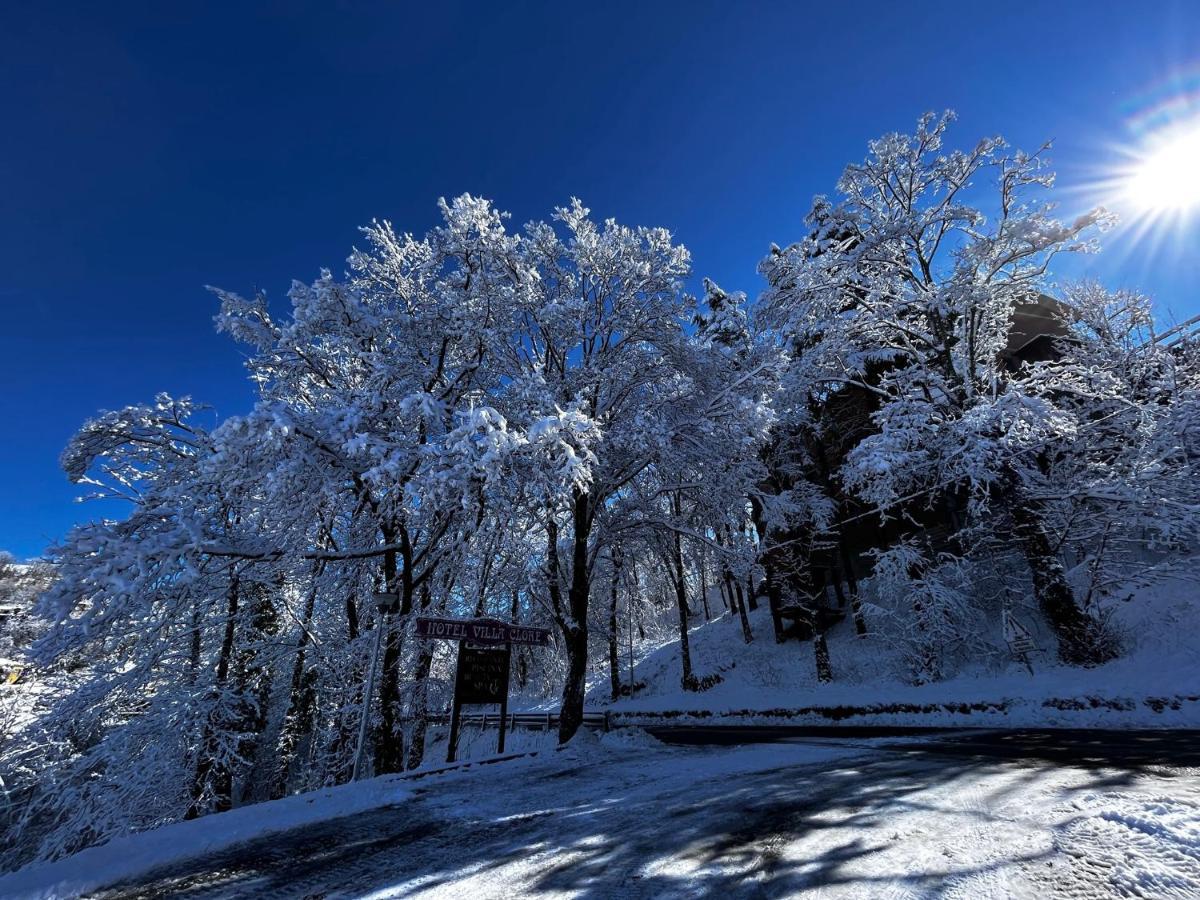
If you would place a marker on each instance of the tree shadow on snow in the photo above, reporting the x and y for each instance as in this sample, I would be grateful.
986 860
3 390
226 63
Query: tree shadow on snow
726 836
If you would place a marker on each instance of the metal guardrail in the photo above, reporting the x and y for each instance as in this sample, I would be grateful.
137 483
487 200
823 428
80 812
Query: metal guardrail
534 721
1179 334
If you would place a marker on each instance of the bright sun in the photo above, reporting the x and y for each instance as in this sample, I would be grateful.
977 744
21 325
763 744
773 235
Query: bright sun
1167 178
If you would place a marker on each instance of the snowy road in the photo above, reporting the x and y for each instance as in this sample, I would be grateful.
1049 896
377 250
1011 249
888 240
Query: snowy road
785 819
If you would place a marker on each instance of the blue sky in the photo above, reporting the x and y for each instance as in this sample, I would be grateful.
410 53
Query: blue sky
150 149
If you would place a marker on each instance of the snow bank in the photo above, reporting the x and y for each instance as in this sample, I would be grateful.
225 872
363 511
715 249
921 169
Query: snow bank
126 857
475 744
1146 846
1155 683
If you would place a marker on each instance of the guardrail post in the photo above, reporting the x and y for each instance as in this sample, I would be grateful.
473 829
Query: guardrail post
607 725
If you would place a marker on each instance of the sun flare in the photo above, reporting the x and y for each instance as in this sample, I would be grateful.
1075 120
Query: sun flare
1167 178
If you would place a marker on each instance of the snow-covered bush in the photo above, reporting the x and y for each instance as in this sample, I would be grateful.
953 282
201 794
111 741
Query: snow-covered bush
931 611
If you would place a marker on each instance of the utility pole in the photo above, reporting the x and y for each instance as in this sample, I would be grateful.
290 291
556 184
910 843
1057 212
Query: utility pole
385 603
629 610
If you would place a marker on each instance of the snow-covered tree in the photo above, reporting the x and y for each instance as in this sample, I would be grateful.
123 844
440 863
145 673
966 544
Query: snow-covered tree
905 292
599 359
543 425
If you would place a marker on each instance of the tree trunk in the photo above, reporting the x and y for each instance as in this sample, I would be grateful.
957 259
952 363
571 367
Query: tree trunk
821 655
769 555
614 668
736 601
346 721
420 713
747 636
838 590
194 655
574 625
687 678
255 680
751 594
389 738
734 590
570 715
1080 637
416 746
212 787
721 587
860 623
297 721
820 647
774 601
351 617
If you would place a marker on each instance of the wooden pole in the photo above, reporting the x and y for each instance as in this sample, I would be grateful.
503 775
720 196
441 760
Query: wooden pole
504 697
380 626
629 628
455 710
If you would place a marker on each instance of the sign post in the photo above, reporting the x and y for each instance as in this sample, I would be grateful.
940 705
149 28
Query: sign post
1019 638
484 657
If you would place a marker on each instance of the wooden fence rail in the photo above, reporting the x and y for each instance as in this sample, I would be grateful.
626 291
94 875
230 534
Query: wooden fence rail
534 721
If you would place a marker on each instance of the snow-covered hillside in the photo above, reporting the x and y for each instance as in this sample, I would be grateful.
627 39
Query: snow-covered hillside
1156 682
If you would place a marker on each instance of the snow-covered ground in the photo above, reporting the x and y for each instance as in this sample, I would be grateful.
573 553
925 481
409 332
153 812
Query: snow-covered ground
620 816
875 825
1155 683
129 856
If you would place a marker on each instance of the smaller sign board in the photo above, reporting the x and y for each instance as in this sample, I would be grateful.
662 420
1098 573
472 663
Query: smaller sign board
1019 638
481 631
482 675
387 601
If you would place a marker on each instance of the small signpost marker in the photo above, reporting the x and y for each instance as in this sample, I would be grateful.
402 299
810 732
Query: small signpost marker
484 657
1019 638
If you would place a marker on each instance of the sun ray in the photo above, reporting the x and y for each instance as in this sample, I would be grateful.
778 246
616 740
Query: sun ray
1151 180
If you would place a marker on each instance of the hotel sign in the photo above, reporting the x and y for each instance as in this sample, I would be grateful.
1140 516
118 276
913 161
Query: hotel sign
481 631
484 658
